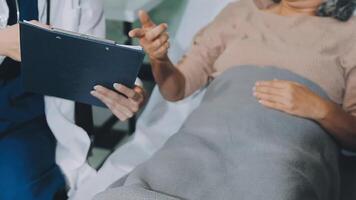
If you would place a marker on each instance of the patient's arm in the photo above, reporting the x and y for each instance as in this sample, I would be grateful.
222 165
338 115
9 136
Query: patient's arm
154 39
170 80
341 124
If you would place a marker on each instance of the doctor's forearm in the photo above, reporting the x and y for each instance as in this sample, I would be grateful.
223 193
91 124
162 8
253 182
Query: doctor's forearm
3 45
170 80
340 124
10 42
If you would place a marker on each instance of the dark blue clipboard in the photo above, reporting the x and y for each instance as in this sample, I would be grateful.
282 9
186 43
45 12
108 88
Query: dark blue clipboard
68 65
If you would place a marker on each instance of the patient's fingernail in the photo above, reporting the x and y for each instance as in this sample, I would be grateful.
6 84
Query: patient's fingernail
96 87
116 85
131 34
93 93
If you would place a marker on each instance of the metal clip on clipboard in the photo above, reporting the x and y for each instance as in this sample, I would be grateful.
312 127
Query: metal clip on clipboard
89 37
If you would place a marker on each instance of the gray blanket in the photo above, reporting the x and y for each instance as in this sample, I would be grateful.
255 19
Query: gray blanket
233 148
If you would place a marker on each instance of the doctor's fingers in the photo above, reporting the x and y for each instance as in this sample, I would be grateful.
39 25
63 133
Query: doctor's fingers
113 100
135 96
130 93
125 106
120 115
116 108
141 95
121 102
113 96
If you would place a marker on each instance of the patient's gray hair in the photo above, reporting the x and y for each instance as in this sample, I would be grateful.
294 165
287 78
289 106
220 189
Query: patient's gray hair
338 9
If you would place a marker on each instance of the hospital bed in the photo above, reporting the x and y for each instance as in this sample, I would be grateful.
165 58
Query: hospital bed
161 119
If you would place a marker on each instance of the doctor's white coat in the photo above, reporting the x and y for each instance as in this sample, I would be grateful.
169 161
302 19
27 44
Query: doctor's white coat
84 16
73 143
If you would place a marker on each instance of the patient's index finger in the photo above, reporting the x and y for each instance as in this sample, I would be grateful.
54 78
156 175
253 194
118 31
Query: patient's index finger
138 32
145 19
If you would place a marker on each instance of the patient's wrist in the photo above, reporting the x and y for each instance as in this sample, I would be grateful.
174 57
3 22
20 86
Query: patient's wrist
326 108
160 60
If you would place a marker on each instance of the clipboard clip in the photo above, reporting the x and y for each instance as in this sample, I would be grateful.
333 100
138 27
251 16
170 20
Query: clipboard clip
57 30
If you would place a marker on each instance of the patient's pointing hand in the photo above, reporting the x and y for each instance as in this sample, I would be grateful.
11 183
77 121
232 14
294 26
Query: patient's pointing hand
123 105
153 38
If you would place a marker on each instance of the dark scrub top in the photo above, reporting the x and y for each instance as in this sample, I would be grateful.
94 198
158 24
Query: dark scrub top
16 106
27 146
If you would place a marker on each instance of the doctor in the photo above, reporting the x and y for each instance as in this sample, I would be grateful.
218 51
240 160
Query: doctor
29 151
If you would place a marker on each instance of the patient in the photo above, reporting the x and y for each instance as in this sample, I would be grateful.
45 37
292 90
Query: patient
257 58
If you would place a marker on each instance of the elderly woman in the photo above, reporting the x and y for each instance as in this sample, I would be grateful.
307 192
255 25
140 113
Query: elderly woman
287 34
260 57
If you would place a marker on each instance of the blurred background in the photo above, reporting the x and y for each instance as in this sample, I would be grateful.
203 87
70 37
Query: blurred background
120 18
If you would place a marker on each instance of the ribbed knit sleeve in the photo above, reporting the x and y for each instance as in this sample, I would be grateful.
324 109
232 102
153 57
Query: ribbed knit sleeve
197 64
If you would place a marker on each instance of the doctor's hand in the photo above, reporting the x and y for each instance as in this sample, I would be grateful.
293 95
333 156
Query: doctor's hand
10 40
124 102
153 38
292 98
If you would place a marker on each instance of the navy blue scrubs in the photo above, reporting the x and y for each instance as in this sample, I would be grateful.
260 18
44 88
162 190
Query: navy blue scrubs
27 147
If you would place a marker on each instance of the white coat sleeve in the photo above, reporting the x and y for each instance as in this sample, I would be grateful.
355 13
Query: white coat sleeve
92 20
